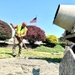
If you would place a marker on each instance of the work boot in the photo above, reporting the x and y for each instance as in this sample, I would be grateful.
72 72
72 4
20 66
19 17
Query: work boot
19 55
13 53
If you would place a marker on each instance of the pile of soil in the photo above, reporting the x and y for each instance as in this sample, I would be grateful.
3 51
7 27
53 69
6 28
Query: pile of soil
23 66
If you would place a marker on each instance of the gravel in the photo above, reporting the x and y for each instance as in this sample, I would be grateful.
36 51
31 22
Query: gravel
22 66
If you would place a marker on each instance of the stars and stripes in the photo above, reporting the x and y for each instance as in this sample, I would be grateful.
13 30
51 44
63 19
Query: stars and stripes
33 20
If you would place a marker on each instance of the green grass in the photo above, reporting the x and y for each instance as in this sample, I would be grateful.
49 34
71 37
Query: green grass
41 52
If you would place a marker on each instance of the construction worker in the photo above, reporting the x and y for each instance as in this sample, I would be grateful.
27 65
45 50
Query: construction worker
20 32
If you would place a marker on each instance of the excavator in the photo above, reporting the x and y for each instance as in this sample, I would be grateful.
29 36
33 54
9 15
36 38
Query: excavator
65 18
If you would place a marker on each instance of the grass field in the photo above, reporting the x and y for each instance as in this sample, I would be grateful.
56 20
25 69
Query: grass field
40 52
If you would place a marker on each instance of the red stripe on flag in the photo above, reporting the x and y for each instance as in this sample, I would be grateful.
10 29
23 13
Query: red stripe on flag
33 20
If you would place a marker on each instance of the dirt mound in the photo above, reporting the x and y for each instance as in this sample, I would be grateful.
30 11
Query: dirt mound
22 66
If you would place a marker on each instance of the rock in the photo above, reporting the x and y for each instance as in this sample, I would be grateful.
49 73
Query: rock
67 65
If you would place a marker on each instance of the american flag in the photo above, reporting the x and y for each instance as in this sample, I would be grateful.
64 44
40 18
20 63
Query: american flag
33 20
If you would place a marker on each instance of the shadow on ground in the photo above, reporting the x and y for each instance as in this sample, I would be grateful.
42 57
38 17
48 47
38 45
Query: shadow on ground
3 44
48 59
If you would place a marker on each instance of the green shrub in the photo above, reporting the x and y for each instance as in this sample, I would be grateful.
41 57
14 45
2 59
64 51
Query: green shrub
51 39
63 44
56 49
59 48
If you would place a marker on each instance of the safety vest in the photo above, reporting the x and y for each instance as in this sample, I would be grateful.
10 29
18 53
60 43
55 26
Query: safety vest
21 31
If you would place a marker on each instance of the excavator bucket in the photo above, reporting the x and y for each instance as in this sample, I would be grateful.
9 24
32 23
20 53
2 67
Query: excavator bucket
65 16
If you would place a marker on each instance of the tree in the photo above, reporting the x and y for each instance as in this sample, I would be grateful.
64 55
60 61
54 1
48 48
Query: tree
5 31
51 40
35 34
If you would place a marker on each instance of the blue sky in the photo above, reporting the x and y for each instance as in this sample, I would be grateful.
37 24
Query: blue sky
18 11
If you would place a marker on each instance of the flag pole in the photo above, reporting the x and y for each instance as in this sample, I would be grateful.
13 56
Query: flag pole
36 19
